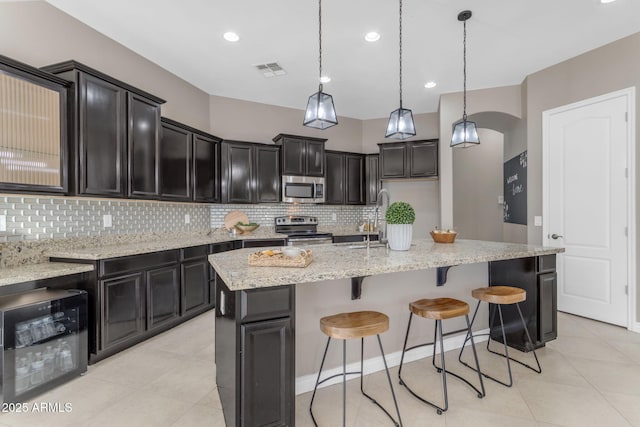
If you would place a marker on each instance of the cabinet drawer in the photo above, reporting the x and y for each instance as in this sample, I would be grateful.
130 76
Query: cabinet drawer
546 263
136 262
261 243
267 303
194 252
224 247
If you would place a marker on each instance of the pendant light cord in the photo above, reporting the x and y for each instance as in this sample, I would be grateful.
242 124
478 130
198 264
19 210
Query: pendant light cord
320 42
400 53
464 71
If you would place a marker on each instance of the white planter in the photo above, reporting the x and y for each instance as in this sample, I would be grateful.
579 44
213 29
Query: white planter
399 236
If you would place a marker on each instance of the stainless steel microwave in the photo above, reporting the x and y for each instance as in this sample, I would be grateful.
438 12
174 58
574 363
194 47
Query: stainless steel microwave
302 189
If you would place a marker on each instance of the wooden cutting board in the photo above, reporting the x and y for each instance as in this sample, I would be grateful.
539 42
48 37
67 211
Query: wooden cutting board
233 217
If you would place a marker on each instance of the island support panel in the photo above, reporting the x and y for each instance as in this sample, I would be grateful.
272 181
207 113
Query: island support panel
255 355
537 276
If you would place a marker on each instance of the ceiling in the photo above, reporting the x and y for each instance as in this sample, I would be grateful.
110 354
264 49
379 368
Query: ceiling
506 41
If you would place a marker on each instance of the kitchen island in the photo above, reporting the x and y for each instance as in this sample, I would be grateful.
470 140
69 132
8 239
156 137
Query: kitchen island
267 317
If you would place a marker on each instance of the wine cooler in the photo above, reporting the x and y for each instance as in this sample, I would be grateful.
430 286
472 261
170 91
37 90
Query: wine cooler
44 341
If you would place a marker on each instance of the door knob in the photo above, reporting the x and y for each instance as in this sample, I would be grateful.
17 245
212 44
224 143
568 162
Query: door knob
555 236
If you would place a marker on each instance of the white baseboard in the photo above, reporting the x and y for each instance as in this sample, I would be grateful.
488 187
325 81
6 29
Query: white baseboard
635 327
306 383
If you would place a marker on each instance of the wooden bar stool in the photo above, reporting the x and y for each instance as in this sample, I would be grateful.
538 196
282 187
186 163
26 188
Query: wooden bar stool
346 326
502 295
440 309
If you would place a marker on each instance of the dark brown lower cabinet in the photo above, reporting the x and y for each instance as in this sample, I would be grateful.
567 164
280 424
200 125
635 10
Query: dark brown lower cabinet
195 286
255 355
163 296
122 307
134 297
537 276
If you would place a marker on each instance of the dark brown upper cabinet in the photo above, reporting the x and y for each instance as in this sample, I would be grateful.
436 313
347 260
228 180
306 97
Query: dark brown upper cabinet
189 164
409 159
301 155
115 142
372 181
345 178
250 172
34 121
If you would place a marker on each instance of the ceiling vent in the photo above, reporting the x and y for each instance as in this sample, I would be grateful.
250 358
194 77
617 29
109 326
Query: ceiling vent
272 69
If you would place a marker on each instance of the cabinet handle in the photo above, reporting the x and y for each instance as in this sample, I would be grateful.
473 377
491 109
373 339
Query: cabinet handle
555 236
221 304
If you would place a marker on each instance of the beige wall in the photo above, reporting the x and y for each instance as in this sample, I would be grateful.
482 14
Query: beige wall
477 183
252 121
505 99
609 68
39 34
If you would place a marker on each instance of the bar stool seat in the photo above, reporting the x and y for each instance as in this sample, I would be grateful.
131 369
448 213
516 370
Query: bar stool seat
440 309
358 324
502 295
345 326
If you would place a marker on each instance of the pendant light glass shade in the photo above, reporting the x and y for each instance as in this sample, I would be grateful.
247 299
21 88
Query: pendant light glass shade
320 113
400 124
465 134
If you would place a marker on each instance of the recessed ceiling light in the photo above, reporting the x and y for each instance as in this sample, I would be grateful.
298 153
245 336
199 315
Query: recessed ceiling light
606 1
372 36
230 36
429 85
325 79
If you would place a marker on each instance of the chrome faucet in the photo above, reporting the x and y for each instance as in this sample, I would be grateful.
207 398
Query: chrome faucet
382 233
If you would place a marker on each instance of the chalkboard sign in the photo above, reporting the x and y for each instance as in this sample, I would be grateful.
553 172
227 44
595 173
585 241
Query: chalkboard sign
515 190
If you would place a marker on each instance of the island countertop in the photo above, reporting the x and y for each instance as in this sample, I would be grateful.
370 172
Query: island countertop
332 262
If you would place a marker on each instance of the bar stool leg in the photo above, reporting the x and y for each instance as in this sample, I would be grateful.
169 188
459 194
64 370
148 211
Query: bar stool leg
475 356
386 368
313 396
344 383
444 370
539 370
404 349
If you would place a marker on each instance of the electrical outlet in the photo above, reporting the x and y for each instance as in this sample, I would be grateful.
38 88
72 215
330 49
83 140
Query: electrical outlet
187 218
334 216
3 223
107 221
537 221
501 200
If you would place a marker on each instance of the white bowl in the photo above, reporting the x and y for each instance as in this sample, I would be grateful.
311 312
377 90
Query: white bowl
291 251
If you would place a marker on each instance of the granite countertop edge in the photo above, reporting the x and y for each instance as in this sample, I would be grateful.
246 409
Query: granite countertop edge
339 262
140 247
44 270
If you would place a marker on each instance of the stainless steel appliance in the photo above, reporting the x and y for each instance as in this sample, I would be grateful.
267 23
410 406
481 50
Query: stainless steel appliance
301 230
303 189
44 341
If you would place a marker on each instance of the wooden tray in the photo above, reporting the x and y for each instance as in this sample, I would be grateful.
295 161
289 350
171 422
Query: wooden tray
260 259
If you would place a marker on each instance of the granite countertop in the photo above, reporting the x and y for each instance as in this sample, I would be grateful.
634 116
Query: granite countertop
45 270
157 243
332 262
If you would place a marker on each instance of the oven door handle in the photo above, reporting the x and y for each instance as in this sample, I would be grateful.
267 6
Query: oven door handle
311 239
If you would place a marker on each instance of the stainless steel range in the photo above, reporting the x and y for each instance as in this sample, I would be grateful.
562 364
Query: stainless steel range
301 230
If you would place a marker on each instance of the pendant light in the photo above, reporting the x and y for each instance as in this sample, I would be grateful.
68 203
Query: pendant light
320 112
400 124
465 133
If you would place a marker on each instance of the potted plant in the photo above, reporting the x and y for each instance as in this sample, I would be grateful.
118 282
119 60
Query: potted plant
400 217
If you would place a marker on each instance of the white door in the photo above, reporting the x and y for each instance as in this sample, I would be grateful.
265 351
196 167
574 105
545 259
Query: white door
586 182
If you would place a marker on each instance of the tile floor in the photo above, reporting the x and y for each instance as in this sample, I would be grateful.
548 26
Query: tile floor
591 378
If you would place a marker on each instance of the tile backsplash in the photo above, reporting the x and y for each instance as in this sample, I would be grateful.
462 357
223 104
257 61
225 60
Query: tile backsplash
46 217
36 217
263 214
